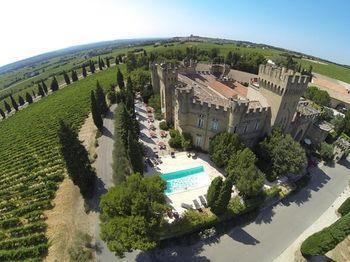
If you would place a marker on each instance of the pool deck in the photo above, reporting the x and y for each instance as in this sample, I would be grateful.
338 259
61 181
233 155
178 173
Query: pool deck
181 162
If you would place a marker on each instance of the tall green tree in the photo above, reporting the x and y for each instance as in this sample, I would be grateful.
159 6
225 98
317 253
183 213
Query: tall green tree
214 190
66 78
120 79
95 111
7 107
92 66
76 159
239 162
74 76
41 91
21 101
2 113
29 98
283 154
107 62
222 146
132 212
135 154
84 71
44 86
101 99
33 93
129 103
250 183
220 204
54 84
100 63
14 103
103 63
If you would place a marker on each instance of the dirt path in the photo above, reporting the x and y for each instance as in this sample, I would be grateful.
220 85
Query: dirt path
68 217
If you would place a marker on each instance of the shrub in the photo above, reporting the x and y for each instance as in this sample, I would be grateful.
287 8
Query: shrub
323 241
326 151
163 125
345 207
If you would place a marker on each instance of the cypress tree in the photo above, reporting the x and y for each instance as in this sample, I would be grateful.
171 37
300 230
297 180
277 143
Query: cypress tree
120 79
120 59
33 94
100 63
101 98
84 72
74 76
7 107
44 87
29 98
214 191
223 199
66 78
95 111
129 103
2 113
107 62
116 60
135 154
14 103
92 67
54 84
77 160
41 91
21 101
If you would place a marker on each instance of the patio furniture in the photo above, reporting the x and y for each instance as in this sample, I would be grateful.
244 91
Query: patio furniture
186 206
203 201
172 154
176 215
153 134
188 154
161 145
194 155
152 127
163 133
196 204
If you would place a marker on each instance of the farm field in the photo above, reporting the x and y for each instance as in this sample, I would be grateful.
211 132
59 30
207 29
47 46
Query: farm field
31 167
57 65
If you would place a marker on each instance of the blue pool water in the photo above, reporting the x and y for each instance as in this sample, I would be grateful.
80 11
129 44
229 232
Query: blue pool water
183 180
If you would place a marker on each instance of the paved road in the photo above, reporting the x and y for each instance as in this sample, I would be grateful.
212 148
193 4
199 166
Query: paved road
104 172
273 230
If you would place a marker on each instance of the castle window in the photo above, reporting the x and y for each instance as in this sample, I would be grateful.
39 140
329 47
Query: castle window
257 125
198 140
245 129
215 124
200 121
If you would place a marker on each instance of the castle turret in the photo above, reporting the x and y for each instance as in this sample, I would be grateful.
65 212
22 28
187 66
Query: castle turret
282 89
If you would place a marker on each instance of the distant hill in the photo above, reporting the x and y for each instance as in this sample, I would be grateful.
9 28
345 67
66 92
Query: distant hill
73 49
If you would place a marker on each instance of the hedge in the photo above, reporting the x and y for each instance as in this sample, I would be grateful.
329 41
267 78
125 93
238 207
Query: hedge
345 207
327 239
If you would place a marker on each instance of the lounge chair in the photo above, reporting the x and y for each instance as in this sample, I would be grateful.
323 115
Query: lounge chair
196 204
203 201
194 155
186 206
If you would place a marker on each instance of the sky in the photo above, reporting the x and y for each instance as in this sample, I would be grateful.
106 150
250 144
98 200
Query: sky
319 28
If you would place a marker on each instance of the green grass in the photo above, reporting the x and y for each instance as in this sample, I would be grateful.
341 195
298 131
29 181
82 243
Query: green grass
31 167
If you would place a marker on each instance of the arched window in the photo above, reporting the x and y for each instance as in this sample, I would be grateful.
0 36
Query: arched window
200 121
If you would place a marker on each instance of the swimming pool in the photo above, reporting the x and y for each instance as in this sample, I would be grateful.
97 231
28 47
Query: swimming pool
183 180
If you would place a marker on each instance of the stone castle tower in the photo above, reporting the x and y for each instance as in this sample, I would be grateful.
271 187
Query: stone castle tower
164 77
282 89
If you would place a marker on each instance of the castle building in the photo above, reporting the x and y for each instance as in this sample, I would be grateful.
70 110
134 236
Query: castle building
206 102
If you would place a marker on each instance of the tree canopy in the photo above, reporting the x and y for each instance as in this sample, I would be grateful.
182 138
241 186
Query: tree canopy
131 213
222 146
283 154
320 97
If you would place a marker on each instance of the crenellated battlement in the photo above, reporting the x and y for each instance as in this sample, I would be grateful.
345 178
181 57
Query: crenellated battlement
280 79
208 105
257 110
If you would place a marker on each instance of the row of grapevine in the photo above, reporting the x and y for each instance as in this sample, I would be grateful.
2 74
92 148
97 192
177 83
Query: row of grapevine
31 167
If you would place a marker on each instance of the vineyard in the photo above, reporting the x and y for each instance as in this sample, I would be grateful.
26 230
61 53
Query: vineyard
31 167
